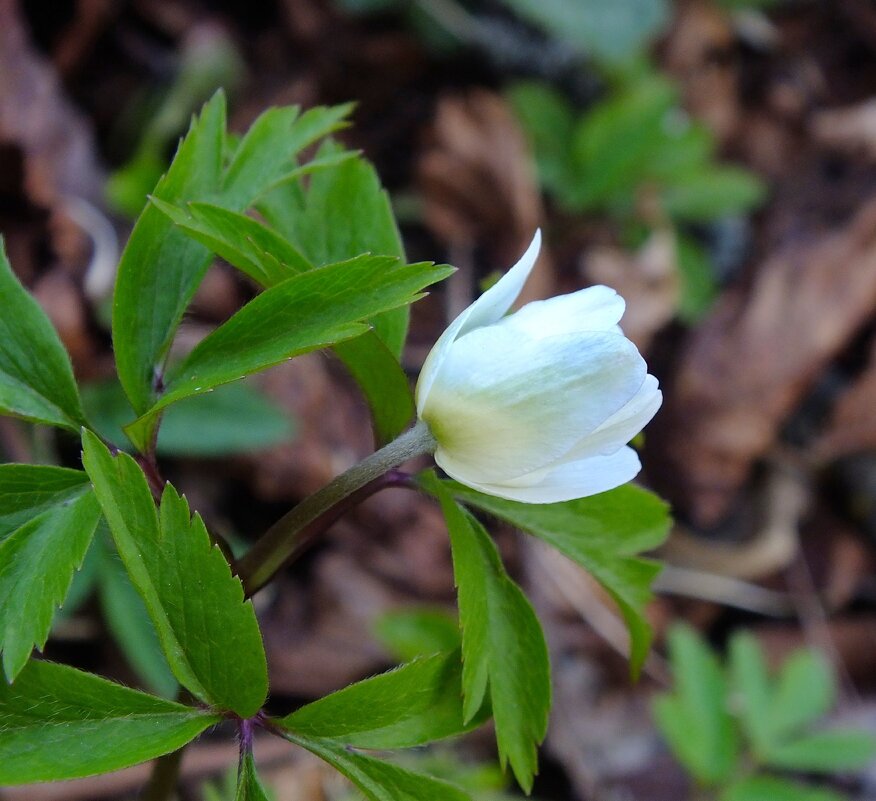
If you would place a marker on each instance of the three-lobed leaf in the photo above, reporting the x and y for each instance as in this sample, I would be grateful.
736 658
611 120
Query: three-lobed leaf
37 563
414 704
505 657
603 534
60 723
209 634
36 378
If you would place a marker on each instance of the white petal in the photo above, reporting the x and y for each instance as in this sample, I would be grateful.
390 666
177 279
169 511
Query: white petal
597 308
506 404
487 309
564 482
623 425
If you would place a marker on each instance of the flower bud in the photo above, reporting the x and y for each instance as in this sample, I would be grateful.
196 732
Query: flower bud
537 406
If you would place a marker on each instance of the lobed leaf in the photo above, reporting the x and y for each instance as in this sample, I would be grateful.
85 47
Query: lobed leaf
414 704
824 752
60 723
601 533
36 378
503 647
209 634
37 563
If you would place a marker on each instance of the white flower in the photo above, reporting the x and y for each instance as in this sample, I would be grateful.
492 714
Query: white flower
537 406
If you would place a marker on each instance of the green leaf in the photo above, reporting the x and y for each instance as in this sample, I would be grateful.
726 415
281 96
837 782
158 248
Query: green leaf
602 534
209 634
252 247
421 631
233 419
770 788
824 752
713 192
161 267
128 621
698 285
37 563
805 691
27 490
753 688
503 645
60 723
612 33
549 121
248 786
414 704
344 213
378 780
306 312
694 717
36 379
614 142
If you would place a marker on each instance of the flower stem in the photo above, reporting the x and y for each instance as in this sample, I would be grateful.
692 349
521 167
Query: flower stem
315 513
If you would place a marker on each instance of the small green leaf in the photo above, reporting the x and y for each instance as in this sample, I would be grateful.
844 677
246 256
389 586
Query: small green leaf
602 534
233 419
27 490
248 786
306 312
128 621
805 691
752 685
824 752
209 634
414 704
694 718
378 780
410 633
60 723
698 284
713 192
771 788
37 563
36 379
503 645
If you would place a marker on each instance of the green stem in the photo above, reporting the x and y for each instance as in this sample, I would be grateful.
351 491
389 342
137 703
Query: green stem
315 513
164 778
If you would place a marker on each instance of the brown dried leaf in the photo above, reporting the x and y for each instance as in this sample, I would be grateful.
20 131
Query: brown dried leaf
751 362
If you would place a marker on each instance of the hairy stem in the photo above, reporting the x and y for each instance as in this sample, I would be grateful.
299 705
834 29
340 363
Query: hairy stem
314 514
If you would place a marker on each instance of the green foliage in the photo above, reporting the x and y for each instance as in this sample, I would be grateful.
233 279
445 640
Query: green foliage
414 704
634 140
60 723
161 266
409 633
36 379
715 726
603 534
28 490
37 563
208 633
233 419
611 33
503 648
378 780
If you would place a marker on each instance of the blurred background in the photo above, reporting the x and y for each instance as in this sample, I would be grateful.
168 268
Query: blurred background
712 160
